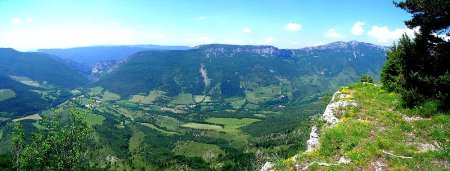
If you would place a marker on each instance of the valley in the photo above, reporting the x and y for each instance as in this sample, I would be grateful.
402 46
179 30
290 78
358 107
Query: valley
179 85
173 109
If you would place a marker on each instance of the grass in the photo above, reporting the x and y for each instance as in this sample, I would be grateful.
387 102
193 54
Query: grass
30 117
137 98
109 96
158 129
202 99
183 99
132 114
96 90
263 94
93 119
26 81
127 104
168 122
231 123
238 104
205 151
47 95
227 128
75 92
203 126
149 99
152 97
6 94
377 126
251 106
135 141
173 110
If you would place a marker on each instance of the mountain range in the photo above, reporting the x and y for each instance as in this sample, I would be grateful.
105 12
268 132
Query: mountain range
213 106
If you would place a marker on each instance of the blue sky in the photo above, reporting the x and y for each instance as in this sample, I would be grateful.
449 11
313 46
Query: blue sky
28 25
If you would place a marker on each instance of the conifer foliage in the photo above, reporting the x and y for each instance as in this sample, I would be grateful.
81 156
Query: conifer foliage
419 68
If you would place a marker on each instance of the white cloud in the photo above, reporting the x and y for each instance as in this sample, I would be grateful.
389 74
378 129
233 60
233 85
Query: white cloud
247 30
16 21
384 35
201 18
292 27
269 40
357 28
331 33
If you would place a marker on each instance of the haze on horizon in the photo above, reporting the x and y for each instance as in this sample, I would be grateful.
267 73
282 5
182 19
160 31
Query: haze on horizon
29 25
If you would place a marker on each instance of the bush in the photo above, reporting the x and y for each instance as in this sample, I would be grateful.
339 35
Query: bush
366 78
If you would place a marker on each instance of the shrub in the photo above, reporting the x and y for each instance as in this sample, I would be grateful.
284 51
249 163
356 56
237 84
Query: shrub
366 78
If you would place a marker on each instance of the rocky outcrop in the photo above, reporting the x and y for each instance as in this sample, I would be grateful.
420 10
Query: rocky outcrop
337 101
267 166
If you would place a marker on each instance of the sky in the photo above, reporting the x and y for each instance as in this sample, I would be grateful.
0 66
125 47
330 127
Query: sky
32 24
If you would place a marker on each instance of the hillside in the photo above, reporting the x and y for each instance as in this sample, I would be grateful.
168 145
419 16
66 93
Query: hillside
40 67
366 128
89 56
225 71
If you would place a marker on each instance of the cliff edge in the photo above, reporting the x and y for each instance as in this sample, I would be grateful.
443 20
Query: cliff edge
366 128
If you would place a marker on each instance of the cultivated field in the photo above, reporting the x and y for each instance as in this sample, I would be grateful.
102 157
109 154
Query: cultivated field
6 94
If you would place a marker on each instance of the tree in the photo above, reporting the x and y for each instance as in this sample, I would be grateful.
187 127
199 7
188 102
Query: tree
61 143
366 79
418 68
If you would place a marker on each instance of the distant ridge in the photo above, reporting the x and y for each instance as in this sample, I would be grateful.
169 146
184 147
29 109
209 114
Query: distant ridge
234 70
91 55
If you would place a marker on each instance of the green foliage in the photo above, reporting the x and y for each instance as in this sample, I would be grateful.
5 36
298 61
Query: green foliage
392 72
418 68
61 145
366 78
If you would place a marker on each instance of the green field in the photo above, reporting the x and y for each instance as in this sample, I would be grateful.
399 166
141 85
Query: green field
263 94
205 151
96 90
260 115
153 96
203 126
251 106
168 122
158 129
149 99
238 104
127 104
1 133
93 119
6 94
202 99
31 117
26 81
109 96
75 92
137 98
48 95
132 114
135 141
183 99
232 123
